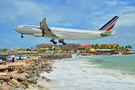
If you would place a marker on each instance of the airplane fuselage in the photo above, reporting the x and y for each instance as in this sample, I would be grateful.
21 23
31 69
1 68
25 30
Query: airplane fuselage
63 33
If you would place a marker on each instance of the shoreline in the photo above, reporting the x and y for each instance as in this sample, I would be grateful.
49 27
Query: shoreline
26 78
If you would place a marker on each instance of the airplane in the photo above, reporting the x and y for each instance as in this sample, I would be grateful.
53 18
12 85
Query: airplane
62 33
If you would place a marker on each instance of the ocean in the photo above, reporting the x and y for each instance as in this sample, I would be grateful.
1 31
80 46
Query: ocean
115 72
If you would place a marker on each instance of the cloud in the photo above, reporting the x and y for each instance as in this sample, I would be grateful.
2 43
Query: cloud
73 14
114 3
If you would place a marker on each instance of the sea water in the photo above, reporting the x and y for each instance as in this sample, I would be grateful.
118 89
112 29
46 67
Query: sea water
92 73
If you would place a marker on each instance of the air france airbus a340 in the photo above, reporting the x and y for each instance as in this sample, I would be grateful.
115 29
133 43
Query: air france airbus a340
62 33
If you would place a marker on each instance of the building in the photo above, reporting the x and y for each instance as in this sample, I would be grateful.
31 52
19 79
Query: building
14 49
110 44
44 45
70 46
67 46
84 47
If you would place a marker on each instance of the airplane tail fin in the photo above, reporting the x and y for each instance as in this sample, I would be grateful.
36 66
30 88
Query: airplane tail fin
109 24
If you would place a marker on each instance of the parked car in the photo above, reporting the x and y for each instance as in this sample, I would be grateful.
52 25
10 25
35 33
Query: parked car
24 57
3 57
17 57
9 58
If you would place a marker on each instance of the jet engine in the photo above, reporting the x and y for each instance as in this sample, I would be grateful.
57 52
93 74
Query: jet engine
37 30
37 35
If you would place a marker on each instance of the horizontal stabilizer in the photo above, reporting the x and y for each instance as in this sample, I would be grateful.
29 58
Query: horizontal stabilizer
107 33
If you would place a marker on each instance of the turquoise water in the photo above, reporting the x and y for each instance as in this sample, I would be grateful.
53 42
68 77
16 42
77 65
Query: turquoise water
92 73
124 63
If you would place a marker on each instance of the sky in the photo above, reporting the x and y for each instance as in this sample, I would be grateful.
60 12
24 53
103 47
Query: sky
72 14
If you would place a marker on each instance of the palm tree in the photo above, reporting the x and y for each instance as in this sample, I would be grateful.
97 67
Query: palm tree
112 46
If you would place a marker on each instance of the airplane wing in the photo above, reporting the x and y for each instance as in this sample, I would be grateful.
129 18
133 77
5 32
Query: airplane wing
44 27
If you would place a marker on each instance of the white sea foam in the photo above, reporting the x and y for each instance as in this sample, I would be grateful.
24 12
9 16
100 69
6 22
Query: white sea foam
79 74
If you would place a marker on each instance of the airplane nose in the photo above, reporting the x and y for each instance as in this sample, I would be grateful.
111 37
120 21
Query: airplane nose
16 29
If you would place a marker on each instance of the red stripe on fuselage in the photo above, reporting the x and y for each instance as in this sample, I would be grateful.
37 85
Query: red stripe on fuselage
110 27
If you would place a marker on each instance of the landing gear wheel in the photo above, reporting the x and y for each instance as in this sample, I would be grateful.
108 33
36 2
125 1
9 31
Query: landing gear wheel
51 40
64 43
21 36
61 41
54 42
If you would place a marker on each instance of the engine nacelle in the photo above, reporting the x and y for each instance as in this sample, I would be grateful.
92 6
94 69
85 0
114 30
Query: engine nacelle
37 35
35 30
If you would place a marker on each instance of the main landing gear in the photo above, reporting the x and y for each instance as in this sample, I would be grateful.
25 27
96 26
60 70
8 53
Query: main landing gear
43 32
52 40
62 41
21 35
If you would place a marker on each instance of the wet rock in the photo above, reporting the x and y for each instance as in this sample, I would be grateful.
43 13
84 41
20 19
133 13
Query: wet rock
32 80
25 84
4 88
1 81
20 79
21 86
10 84
6 79
43 77
40 86
26 75
14 82
48 80
13 88
22 71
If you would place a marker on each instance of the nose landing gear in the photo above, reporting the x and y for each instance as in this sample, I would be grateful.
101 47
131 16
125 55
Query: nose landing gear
21 35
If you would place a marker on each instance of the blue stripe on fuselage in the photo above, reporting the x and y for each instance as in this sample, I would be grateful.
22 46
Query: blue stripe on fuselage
108 23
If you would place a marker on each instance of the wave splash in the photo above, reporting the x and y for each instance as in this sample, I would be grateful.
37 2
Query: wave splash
77 73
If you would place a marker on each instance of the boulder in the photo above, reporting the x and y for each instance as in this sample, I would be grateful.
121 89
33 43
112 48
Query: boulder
20 79
43 77
14 82
21 86
6 79
1 81
26 75
22 71
13 88
32 80
40 86
4 88
25 84
48 80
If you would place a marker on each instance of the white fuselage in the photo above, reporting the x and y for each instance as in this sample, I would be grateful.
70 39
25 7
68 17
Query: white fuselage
61 33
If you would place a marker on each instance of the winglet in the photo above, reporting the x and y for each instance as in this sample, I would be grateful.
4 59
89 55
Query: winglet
109 24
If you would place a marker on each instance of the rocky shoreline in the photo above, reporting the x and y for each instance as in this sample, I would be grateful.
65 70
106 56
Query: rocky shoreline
26 78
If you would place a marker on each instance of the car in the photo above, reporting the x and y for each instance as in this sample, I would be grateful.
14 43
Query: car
3 57
9 58
24 57
17 57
